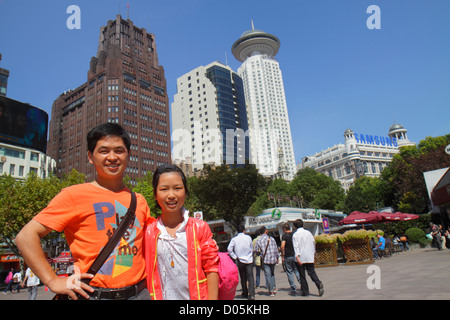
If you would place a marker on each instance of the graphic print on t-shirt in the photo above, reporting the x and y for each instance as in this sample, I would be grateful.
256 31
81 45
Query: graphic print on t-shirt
121 259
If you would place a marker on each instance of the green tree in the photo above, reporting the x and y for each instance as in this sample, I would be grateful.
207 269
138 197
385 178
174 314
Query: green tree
192 202
403 178
365 195
145 187
21 200
74 177
226 193
271 194
317 189
8 227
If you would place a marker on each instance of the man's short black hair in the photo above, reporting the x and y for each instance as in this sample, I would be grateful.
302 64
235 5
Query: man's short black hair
241 228
104 130
298 223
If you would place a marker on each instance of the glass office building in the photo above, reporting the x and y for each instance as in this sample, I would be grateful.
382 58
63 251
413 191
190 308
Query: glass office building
209 118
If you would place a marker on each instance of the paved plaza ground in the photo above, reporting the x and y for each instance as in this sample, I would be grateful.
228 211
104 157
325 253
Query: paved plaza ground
418 274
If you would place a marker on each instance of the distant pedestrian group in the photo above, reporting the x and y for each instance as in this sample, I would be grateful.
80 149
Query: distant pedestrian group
297 254
439 236
14 283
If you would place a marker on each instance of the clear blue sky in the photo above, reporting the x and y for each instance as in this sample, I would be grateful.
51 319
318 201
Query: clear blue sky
337 73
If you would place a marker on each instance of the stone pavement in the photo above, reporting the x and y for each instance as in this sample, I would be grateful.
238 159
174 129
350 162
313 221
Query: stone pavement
418 274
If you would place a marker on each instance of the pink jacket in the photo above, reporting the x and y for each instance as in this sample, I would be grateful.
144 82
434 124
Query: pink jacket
201 260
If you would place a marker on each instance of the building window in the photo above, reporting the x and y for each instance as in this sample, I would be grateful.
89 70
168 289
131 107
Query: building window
338 172
34 156
12 153
347 169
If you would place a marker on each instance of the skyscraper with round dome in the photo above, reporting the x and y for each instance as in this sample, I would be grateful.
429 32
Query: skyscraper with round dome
270 133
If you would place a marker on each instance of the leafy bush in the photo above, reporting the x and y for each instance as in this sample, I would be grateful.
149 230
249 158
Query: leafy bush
327 238
415 235
423 242
359 234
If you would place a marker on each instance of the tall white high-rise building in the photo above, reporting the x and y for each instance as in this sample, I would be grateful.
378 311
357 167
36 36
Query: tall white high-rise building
209 118
270 133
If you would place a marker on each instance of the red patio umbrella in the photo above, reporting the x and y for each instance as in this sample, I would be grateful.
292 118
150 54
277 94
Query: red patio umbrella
408 216
389 216
360 218
377 214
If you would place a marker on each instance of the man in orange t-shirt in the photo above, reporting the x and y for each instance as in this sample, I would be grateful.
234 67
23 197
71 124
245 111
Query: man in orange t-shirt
88 214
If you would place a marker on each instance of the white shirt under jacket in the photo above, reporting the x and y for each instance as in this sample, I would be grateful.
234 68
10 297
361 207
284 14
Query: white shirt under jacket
304 245
241 247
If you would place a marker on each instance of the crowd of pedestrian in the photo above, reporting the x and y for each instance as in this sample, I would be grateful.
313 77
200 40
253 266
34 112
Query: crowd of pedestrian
384 245
439 239
440 236
296 251
14 282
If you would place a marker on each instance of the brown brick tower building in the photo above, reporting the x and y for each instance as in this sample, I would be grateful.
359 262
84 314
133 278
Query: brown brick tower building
125 85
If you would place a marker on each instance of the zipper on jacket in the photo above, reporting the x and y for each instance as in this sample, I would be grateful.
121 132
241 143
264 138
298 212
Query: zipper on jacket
154 266
196 263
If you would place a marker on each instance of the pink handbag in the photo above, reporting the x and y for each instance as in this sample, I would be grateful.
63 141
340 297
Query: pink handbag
228 277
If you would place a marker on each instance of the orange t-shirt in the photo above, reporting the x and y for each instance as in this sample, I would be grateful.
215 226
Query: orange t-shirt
88 215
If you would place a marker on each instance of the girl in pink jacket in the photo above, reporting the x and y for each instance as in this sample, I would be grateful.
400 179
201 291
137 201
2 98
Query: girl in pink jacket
180 253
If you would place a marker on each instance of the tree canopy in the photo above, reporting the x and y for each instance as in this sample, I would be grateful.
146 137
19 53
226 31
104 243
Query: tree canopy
21 200
404 180
227 193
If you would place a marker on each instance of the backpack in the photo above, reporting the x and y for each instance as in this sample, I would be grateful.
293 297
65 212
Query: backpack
228 277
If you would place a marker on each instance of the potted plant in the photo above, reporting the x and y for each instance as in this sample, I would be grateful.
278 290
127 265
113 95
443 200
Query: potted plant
326 245
356 245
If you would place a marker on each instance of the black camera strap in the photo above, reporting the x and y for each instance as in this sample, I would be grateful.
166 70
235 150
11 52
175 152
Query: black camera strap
109 247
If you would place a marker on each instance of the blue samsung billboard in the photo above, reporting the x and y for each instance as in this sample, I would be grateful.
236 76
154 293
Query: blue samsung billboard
376 140
23 125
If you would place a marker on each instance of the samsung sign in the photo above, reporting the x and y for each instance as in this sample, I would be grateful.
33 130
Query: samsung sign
376 140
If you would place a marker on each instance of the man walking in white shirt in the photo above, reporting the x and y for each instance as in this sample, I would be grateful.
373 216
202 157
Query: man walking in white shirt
32 284
240 249
305 248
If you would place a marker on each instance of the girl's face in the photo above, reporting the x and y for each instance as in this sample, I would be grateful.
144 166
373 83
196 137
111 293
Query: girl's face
170 192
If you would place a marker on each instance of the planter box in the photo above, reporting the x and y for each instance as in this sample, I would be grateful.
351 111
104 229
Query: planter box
325 255
357 251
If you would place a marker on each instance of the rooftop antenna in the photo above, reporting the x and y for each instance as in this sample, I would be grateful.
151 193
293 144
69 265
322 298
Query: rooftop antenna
253 27
226 59
128 10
